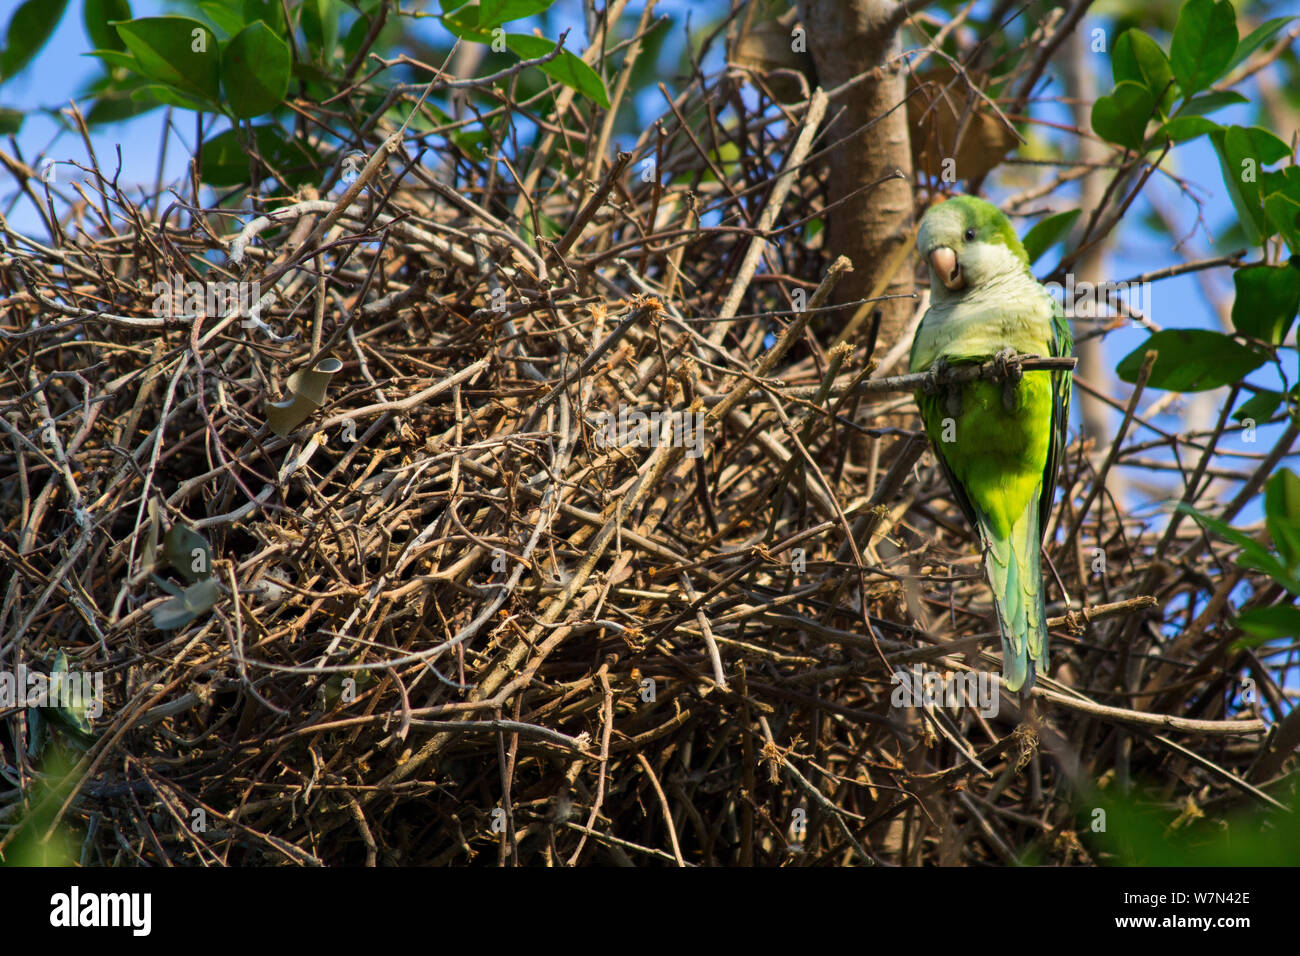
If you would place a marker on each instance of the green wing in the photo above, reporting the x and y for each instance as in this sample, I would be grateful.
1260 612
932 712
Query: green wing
932 415
1061 346
932 418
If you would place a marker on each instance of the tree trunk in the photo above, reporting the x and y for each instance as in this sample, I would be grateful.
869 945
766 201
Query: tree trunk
846 39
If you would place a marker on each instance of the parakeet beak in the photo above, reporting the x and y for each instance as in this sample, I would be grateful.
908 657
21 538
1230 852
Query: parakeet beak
943 261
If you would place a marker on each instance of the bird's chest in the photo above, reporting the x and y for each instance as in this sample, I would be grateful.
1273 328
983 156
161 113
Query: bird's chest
979 330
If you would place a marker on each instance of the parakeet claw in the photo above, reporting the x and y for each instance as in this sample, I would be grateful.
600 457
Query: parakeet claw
937 370
1007 363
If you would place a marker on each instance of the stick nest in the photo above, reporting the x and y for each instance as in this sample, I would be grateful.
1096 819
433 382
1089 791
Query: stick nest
445 618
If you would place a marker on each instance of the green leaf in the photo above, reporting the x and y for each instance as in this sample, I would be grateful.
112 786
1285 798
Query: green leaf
255 68
1205 38
1268 298
270 12
176 612
116 107
1282 515
1259 407
355 36
1253 554
1122 116
566 68
1048 233
226 164
1183 128
471 142
223 160
221 13
187 552
30 27
1266 624
1257 38
320 25
463 26
491 13
1264 146
1139 59
1191 360
1245 150
74 714
1283 214
177 51
1285 180
96 16
149 95
118 59
113 99
1209 102
316 77
11 121
1241 173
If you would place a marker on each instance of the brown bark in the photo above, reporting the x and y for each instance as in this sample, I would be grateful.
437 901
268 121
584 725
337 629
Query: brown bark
846 39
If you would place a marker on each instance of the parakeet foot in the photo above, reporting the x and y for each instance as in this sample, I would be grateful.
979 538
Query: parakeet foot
1007 363
933 374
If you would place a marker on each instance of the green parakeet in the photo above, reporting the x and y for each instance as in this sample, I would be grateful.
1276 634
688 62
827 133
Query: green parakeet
999 442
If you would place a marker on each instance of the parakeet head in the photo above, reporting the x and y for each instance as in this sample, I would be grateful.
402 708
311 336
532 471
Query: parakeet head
968 242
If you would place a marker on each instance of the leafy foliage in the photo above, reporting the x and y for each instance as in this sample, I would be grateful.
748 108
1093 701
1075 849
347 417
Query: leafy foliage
241 63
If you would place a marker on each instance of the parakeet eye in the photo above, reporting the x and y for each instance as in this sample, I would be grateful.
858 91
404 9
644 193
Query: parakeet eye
970 233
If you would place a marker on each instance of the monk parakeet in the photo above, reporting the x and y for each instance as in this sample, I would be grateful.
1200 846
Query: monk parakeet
998 442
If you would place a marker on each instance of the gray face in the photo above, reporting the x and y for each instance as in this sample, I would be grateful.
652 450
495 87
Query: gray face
962 251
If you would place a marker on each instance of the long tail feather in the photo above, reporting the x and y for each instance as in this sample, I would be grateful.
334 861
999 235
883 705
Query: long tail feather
1015 574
